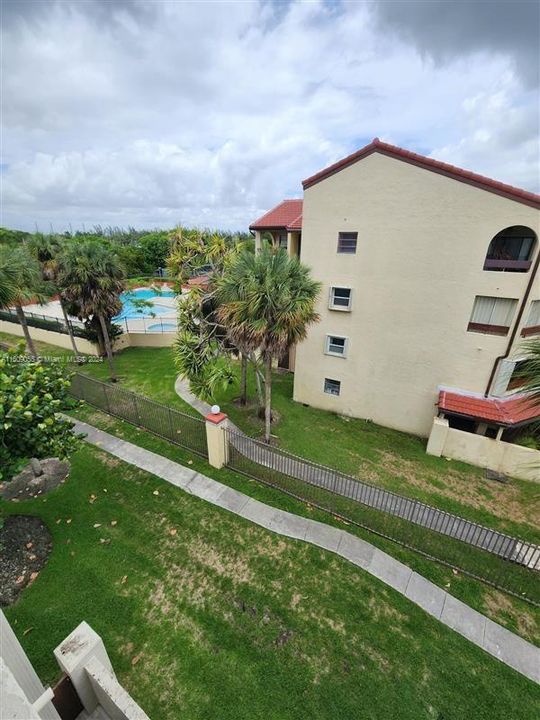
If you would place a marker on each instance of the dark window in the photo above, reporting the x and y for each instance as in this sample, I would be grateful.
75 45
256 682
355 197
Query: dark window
347 242
335 345
332 387
511 250
340 298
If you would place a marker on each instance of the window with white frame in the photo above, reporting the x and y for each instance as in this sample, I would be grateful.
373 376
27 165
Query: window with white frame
340 298
336 345
532 323
332 387
492 315
347 242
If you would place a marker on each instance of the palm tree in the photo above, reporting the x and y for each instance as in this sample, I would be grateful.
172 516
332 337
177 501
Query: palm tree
92 278
268 300
8 281
529 371
20 282
47 249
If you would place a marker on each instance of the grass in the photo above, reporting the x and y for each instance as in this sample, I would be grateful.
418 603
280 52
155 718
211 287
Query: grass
205 615
153 367
515 614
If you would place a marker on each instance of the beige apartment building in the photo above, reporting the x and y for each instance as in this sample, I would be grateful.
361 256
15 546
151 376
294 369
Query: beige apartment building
430 284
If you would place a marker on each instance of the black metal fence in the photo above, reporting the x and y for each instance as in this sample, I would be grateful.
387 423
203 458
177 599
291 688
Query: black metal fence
184 430
503 561
46 322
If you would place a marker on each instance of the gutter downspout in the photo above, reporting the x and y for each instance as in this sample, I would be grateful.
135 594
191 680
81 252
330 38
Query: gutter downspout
518 320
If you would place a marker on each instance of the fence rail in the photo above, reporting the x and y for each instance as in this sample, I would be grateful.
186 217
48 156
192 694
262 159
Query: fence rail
177 427
506 562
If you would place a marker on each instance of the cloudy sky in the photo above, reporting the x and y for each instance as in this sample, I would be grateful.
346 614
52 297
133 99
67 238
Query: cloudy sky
151 113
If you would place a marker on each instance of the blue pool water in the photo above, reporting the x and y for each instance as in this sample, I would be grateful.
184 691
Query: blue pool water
162 327
129 310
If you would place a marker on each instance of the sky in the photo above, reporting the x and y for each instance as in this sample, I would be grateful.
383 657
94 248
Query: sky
152 114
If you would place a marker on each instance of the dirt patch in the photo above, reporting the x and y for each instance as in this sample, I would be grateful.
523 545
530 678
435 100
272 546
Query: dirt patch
25 544
26 485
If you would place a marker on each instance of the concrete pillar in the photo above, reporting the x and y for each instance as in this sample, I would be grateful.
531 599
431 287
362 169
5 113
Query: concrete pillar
74 653
216 438
258 241
500 431
17 663
437 437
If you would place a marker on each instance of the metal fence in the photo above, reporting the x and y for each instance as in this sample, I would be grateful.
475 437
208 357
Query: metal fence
177 427
142 324
45 322
148 325
506 562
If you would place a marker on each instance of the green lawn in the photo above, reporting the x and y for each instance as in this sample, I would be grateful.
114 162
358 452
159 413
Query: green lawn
154 368
230 621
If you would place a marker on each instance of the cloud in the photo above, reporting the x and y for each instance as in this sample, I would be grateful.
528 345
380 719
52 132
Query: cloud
153 113
446 29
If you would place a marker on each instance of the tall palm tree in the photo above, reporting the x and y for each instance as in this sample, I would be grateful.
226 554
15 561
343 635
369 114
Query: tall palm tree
529 371
48 249
20 281
8 281
267 299
92 278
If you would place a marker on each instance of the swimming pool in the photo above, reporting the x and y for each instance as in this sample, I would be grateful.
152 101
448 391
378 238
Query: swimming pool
131 311
162 327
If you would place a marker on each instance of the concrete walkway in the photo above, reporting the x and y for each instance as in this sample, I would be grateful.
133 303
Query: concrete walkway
488 635
400 506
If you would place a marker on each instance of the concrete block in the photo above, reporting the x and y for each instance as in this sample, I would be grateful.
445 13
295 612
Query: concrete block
288 524
258 513
390 571
205 488
324 536
355 550
512 650
231 500
74 653
464 620
424 593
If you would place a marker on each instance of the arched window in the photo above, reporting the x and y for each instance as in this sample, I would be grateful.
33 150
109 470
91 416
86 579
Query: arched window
511 250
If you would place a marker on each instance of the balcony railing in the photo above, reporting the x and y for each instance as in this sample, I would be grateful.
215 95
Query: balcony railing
509 265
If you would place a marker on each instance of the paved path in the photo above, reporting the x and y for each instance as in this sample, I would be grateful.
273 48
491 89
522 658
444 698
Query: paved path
488 635
340 484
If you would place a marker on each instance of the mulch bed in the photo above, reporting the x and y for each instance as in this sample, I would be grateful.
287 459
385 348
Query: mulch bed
25 544
25 485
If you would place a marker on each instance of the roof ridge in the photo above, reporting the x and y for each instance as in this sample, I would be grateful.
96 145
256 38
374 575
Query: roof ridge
457 173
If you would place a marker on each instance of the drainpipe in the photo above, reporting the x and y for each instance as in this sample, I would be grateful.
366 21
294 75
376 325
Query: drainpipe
516 324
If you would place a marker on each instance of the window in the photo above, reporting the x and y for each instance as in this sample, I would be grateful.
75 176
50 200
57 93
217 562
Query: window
282 240
532 324
332 387
511 250
347 242
492 315
340 298
336 345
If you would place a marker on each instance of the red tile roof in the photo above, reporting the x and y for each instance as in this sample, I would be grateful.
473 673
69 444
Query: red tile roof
466 176
288 215
511 410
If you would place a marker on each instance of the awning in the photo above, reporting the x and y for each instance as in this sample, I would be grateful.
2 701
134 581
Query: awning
508 411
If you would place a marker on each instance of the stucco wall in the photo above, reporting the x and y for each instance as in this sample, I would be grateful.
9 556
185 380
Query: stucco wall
48 336
422 241
512 460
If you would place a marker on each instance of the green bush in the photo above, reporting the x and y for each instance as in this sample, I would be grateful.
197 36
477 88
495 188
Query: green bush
32 394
